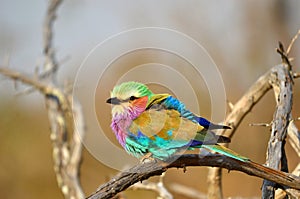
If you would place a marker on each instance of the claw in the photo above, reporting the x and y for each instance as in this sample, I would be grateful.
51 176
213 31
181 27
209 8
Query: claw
147 158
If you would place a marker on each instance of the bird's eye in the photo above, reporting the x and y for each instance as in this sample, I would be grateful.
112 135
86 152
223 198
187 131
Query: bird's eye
132 98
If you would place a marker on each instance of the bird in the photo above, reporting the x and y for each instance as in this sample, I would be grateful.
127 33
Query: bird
159 125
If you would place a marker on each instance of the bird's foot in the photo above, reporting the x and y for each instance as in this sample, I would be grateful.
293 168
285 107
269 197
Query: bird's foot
147 158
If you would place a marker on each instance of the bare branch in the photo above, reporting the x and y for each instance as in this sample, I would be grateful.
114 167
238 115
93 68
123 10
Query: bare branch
65 118
66 153
294 137
194 194
40 86
214 180
187 191
142 172
282 84
246 103
260 124
292 42
158 187
296 75
230 105
50 65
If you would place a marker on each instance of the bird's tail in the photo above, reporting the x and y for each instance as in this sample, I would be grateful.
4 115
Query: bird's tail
209 125
227 152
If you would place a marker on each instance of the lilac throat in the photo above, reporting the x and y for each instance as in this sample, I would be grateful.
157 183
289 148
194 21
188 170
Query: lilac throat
122 121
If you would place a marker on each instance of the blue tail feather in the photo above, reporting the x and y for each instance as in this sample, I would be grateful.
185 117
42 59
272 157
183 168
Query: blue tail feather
208 125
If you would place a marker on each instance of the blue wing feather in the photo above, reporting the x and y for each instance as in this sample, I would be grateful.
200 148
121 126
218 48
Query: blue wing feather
208 125
173 103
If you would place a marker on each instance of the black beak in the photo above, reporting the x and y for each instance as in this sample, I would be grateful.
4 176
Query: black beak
113 100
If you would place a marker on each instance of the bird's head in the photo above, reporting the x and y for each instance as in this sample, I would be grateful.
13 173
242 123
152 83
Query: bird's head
129 97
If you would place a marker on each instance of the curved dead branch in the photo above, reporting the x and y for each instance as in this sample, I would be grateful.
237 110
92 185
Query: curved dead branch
142 172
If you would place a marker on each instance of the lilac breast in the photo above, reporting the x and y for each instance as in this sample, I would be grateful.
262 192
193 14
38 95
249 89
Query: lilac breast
121 122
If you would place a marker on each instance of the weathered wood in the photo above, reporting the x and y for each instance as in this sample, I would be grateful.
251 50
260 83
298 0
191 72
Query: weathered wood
142 172
281 82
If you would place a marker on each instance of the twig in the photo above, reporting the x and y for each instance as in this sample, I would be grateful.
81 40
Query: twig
40 86
158 187
50 64
292 42
187 191
46 89
260 124
296 75
230 105
142 172
294 137
195 194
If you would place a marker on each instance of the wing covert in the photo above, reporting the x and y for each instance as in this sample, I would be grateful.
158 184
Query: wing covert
166 124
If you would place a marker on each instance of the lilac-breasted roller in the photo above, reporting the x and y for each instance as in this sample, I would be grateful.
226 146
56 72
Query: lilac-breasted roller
159 124
144 123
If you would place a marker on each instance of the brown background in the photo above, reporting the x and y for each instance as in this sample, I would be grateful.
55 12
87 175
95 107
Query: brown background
239 36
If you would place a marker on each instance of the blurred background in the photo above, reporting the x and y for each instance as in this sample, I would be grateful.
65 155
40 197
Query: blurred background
240 36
